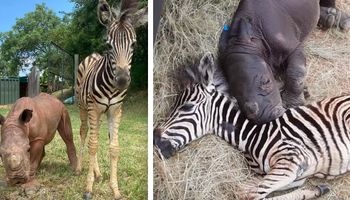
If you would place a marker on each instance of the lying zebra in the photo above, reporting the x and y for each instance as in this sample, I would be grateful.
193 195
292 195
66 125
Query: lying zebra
306 141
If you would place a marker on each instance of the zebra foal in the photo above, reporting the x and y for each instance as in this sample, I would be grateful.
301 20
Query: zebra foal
101 86
306 141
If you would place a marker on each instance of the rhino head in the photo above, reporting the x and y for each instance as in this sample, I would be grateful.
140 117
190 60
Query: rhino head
250 77
15 148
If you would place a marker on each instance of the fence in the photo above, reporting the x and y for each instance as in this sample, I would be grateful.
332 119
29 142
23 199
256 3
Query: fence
55 75
9 90
59 72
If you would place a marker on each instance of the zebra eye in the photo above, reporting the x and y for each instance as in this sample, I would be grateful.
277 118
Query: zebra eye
110 46
133 45
186 107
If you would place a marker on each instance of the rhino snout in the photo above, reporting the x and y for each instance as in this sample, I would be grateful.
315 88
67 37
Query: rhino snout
14 161
277 112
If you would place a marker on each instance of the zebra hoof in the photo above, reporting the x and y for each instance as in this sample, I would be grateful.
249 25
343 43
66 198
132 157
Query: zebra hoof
98 179
77 173
323 189
117 196
87 196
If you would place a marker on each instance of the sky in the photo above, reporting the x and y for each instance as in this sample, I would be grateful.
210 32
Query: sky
12 9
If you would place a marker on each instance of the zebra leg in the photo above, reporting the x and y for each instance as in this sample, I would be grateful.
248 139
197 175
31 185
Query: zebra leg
281 176
293 185
83 132
302 193
293 94
114 116
97 172
94 122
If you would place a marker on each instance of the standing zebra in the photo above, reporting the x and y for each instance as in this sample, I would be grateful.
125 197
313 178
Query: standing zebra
101 86
306 141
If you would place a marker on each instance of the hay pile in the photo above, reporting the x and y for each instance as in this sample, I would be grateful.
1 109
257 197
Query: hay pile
210 168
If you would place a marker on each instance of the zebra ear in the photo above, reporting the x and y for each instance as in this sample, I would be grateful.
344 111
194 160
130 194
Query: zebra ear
104 13
206 68
127 10
140 18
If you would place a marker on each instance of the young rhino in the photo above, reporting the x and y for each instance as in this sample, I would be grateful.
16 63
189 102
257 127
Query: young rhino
28 127
264 41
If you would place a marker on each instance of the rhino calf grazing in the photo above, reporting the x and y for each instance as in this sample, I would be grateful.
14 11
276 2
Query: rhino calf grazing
28 127
265 41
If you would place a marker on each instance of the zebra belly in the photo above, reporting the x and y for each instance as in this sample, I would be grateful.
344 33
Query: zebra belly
339 164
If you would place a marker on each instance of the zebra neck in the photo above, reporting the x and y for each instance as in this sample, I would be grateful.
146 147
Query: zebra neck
232 126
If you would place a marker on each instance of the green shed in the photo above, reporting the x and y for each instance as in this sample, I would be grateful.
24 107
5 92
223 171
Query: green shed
9 90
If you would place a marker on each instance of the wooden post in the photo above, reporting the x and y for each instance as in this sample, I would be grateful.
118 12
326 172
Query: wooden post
157 9
34 82
76 65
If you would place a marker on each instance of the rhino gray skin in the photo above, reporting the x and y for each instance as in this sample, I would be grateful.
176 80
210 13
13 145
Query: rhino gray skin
263 43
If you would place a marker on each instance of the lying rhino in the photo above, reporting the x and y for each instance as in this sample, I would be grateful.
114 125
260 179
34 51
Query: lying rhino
28 127
264 42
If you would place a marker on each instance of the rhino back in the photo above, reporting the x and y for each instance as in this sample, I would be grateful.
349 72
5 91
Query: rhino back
48 115
283 24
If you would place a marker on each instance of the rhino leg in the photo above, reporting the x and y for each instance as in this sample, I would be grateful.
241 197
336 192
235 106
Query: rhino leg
293 94
332 17
36 155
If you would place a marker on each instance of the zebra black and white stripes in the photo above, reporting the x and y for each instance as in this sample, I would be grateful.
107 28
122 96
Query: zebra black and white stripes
101 86
306 141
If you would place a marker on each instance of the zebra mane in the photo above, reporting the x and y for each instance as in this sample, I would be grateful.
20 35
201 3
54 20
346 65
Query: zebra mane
189 74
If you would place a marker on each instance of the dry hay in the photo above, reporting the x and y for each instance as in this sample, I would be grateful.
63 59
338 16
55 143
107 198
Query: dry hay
210 168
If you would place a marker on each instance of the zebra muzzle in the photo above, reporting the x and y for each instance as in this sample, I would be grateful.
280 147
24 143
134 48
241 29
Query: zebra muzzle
164 146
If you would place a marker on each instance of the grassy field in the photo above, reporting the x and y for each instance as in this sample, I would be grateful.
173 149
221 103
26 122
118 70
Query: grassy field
59 182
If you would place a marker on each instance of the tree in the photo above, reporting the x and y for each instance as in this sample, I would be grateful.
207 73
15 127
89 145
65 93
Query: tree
78 32
29 39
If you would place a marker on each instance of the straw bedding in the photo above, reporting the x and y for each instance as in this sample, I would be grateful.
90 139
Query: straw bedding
210 168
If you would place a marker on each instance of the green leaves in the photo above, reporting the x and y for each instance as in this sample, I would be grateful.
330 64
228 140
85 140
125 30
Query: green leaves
28 39
78 32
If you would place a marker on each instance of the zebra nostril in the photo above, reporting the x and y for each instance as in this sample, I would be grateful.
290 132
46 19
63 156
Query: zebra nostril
122 82
156 135
157 131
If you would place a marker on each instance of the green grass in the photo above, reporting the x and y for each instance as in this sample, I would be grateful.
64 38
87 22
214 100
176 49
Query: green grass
59 182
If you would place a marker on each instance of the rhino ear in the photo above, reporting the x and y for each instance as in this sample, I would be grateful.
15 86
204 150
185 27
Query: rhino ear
2 120
206 68
26 116
245 30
